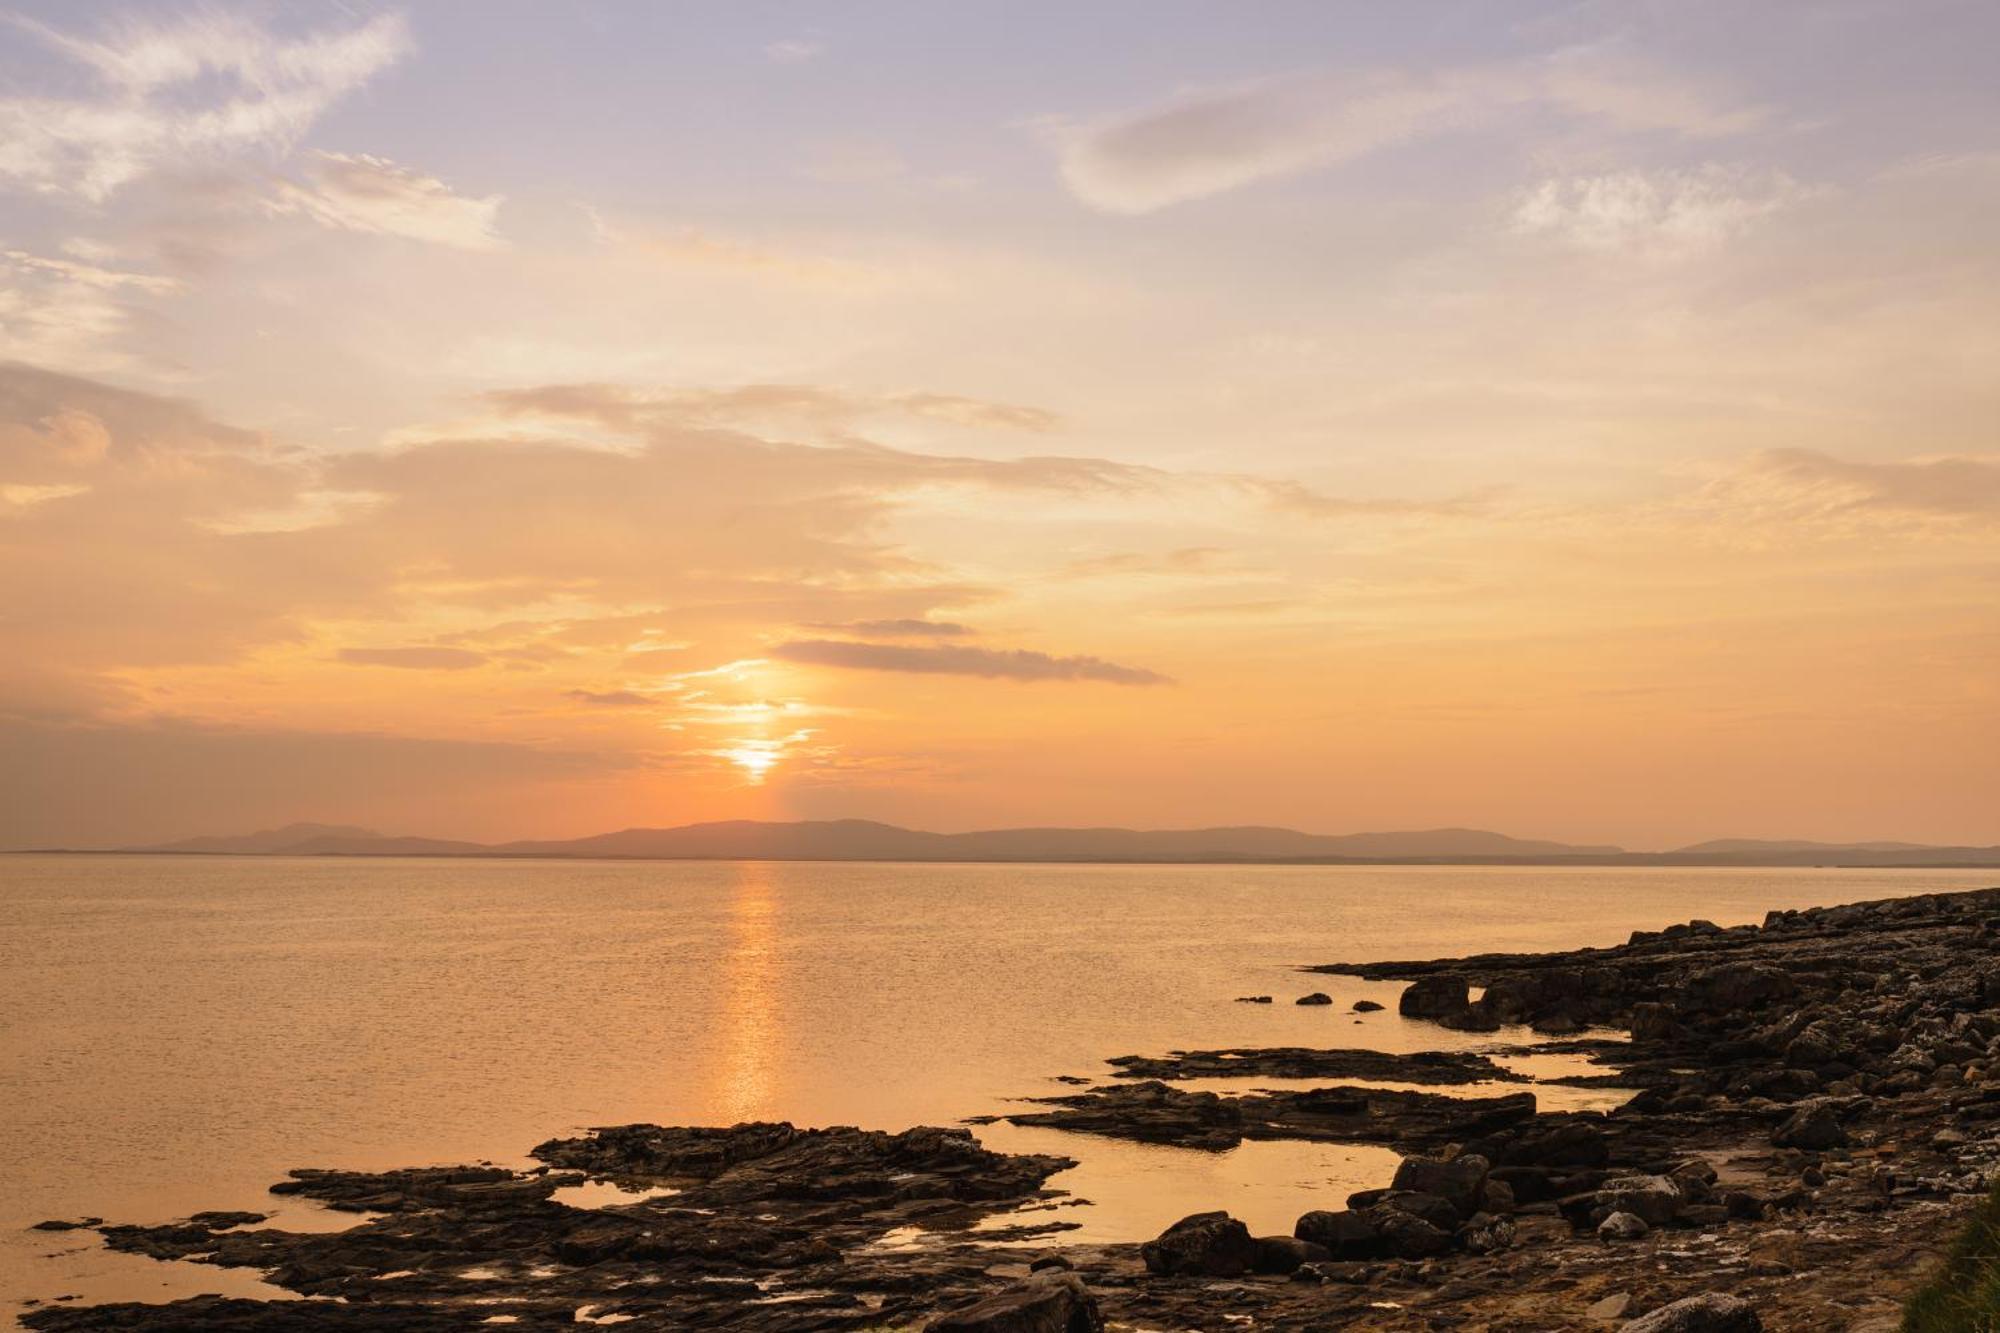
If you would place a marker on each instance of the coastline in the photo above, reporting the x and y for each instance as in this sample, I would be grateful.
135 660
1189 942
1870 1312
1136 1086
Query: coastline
1829 1226
1626 860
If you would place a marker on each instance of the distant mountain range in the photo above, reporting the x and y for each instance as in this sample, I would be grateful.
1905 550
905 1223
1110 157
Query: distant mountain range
865 840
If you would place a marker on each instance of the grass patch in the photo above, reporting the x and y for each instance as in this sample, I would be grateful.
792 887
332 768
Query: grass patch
1964 1295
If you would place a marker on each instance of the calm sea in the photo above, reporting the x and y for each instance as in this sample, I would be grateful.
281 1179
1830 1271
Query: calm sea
176 1032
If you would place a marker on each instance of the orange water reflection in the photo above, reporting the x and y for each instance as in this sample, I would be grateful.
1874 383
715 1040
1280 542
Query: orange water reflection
748 1032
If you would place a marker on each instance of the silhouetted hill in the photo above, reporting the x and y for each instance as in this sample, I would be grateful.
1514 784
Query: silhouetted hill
1766 846
320 840
866 840
1751 851
271 840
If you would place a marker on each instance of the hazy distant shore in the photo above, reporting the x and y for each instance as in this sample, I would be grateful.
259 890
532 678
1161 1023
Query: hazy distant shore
1635 859
868 840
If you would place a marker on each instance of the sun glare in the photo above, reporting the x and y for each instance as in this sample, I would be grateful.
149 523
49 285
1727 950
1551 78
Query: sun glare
755 758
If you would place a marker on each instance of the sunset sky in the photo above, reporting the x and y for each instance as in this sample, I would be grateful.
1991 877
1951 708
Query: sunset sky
531 419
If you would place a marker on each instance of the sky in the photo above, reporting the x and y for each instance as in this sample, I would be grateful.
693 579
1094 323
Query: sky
526 419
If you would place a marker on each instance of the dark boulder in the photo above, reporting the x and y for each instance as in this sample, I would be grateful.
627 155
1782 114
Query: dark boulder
1820 1044
1459 1179
1286 1254
1655 1022
1316 998
1049 1303
1485 1233
1205 1244
1346 1233
1405 1235
1548 1142
1710 1312
1432 1208
1366 1007
1655 1200
1815 1127
1442 995
1734 988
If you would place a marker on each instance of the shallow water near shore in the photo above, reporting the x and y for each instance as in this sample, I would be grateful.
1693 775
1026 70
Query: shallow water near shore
177 1032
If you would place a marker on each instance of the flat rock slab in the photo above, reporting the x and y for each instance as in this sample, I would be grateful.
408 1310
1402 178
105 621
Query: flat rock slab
1427 1067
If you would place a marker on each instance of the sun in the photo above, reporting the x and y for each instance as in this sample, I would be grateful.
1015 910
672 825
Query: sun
755 758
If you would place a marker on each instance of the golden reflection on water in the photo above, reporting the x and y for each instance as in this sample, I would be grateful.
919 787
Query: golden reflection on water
749 1031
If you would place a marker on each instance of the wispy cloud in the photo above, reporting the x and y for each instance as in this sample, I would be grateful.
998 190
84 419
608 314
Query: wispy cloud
65 312
416 659
610 698
1654 212
793 51
624 408
198 87
688 247
1805 483
357 192
1181 561
1210 141
897 629
988 663
1293 497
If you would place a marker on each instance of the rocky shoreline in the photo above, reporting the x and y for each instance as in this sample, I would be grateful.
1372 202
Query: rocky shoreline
1818 1102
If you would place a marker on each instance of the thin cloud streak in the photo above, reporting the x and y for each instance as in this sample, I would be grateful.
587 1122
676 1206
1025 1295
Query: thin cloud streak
360 192
415 659
897 629
987 663
1213 141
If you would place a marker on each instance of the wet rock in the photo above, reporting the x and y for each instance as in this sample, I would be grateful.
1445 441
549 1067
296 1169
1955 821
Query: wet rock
1486 1233
1653 1021
1316 998
1206 1244
1150 1112
1286 1254
1655 1200
1460 1179
761 1212
1610 1307
1711 1312
61 1224
1404 1235
1814 1127
1366 1007
1157 1113
1344 1233
216 1314
1743 1205
1623 1226
1253 999
1432 1208
223 1221
1051 1303
1818 1045
1443 995
1569 1143
1426 1067
1734 988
